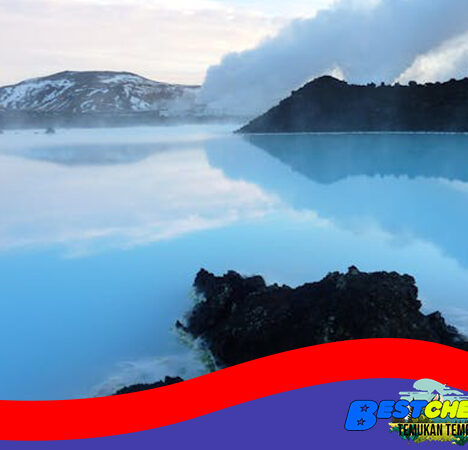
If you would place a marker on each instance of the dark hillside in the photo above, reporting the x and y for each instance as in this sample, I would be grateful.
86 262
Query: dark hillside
330 105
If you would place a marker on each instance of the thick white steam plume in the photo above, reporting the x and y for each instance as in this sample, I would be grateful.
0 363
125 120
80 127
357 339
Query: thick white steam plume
377 42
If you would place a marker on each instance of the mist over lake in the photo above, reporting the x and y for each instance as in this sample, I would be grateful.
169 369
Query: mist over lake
102 232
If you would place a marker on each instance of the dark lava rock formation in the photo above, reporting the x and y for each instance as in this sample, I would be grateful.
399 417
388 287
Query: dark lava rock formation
330 105
242 319
144 387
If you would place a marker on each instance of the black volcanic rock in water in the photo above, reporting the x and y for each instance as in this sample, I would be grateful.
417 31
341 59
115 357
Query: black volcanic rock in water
144 387
330 105
242 319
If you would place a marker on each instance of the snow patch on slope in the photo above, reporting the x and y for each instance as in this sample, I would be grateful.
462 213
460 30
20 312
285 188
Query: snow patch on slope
101 92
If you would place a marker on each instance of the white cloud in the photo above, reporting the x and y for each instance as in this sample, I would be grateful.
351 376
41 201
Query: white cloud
366 41
449 60
177 41
169 41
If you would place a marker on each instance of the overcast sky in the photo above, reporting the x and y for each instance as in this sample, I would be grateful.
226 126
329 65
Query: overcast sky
172 40
178 40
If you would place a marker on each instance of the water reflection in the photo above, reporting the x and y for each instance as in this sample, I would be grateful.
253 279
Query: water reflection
141 212
91 154
91 198
404 206
409 185
328 158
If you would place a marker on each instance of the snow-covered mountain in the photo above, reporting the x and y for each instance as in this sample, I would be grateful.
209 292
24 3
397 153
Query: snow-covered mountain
74 93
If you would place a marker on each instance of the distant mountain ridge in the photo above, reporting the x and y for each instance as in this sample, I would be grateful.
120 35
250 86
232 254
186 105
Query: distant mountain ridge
99 98
98 92
327 104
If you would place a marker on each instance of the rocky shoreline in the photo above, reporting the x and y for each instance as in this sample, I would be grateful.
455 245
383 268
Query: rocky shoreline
243 318
144 387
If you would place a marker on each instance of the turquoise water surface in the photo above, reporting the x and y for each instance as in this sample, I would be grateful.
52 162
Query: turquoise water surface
103 231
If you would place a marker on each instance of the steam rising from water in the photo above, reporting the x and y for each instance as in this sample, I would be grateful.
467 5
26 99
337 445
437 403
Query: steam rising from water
374 41
195 362
151 370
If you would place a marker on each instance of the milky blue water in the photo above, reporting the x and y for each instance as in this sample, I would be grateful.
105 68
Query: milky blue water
103 231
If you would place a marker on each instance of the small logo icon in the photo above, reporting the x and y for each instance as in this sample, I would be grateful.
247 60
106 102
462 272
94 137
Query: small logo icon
431 411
